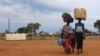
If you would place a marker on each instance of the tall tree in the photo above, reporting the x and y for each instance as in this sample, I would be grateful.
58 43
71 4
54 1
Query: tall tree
97 25
22 30
32 27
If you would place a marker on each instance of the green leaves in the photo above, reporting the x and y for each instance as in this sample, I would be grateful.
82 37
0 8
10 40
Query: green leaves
97 25
30 28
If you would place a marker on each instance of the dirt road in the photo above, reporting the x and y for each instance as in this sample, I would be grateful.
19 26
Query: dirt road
45 48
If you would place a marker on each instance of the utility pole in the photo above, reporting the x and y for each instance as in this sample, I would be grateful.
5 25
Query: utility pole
8 25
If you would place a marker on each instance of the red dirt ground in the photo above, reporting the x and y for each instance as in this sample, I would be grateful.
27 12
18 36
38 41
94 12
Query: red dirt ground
45 48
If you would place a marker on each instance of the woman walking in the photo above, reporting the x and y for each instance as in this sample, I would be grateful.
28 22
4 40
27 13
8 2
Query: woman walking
66 40
79 28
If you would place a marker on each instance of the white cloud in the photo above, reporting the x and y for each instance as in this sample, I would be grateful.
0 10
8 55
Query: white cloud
52 21
26 15
60 4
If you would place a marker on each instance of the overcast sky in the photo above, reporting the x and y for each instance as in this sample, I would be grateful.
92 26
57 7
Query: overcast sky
46 12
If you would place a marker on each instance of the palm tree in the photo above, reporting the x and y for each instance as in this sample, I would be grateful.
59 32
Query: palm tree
32 27
97 25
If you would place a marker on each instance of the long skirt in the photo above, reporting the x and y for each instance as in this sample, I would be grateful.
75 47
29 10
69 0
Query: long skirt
79 40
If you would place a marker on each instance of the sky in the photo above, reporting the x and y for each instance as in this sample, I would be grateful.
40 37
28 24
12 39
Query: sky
46 12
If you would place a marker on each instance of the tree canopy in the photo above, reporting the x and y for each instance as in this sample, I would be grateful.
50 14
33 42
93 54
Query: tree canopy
97 25
30 28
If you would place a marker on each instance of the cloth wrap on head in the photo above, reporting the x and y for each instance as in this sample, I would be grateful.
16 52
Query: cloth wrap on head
67 18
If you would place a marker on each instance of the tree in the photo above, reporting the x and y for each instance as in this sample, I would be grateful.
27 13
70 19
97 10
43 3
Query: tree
87 31
97 25
32 27
22 30
6 31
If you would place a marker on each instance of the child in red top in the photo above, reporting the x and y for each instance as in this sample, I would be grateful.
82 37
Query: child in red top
68 46
72 39
64 35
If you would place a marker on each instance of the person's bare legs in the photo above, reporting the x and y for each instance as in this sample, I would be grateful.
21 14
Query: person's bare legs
77 51
81 50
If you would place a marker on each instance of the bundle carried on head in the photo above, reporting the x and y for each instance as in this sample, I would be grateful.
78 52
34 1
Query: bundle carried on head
80 14
67 17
